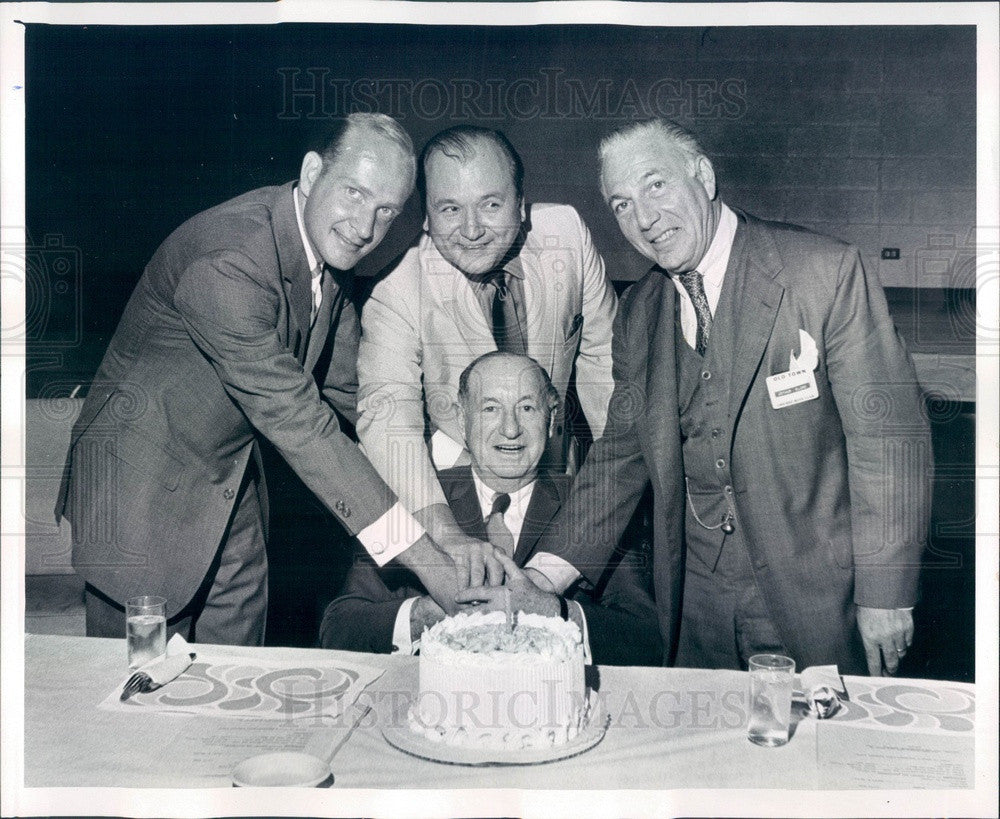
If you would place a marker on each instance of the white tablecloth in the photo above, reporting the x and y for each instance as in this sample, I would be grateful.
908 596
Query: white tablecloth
670 728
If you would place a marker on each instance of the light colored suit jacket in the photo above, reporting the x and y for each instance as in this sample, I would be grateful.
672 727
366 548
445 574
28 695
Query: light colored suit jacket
423 325
832 493
210 353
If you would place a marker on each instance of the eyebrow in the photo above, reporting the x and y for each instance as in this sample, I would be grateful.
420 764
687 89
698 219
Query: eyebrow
641 179
527 397
447 200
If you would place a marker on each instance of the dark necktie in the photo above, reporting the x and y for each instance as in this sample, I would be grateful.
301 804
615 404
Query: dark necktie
496 530
695 287
506 326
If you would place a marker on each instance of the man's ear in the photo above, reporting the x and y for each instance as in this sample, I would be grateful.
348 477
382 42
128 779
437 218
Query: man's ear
312 166
552 420
524 214
427 224
705 173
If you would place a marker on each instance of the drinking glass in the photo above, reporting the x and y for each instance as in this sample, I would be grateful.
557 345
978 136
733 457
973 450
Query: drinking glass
145 629
771 678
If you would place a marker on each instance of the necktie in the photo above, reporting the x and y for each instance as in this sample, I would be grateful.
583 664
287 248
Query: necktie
317 293
496 530
506 326
695 287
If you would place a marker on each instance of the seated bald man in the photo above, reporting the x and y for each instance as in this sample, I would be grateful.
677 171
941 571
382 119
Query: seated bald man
508 406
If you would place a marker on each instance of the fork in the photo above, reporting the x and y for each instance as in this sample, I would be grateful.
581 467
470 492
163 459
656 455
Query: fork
142 683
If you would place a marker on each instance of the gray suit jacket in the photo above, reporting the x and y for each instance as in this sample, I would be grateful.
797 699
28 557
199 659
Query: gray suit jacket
209 354
621 616
832 494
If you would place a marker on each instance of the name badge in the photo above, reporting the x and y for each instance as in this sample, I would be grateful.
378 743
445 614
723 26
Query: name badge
792 387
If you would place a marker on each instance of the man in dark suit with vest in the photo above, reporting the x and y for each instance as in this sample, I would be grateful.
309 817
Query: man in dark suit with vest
242 326
761 387
509 406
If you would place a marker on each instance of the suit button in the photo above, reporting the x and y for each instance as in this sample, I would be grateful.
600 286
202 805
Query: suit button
705 375
377 548
343 508
720 463
228 494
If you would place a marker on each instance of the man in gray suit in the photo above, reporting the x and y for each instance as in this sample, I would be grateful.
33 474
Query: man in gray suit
242 326
761 387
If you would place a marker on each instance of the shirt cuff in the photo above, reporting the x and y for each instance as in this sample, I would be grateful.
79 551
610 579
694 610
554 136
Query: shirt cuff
587 658
560 573
390 535
401 630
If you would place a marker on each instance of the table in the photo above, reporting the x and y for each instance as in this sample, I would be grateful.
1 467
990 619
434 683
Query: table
670 728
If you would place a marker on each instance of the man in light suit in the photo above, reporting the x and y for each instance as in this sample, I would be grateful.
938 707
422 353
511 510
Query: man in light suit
241 326
508 406
489 273
760 385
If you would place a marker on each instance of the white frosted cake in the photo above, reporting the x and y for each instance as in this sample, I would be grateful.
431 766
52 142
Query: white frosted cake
487 686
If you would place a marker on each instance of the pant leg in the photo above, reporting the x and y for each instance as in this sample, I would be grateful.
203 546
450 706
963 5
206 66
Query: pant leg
755 630
232 610
230 607
707 636
724 619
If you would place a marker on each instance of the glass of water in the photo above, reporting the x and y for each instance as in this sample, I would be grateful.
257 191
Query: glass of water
771 678
145 629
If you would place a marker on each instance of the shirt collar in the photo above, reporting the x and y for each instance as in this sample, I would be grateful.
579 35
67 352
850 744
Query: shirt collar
518 500
716 259
310 256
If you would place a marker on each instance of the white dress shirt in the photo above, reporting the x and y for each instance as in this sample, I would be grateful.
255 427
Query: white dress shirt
713 270
314 265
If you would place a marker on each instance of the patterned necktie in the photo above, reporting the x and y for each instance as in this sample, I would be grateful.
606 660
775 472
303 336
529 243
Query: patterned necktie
496 530
506 326
317 293
695 287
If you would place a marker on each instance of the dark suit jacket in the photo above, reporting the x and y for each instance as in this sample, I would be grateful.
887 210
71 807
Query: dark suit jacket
209 354
832 494
621 616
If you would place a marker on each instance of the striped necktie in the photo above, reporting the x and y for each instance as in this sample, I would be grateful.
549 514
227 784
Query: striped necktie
694 284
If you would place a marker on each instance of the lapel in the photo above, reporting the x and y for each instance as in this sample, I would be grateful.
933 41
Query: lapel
329 309
449 287
295 273
541 509
460 492
756 260
660 419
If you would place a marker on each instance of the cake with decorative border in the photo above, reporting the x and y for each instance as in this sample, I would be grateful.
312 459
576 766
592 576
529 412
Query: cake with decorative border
486 684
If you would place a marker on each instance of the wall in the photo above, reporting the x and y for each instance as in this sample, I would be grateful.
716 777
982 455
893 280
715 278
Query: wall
866 133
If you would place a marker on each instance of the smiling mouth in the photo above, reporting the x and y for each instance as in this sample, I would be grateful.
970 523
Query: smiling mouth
348 242
509 449
664 237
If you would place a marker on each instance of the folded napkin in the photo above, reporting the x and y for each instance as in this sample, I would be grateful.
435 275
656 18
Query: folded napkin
162 672
824 690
